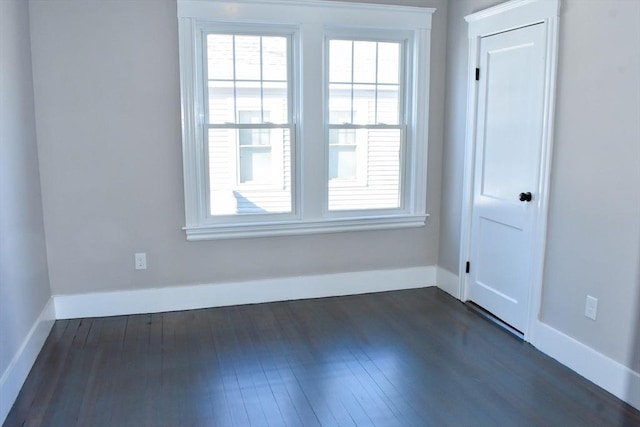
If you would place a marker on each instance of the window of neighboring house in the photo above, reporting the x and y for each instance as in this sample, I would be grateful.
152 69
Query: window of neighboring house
295 121
254 151
343 152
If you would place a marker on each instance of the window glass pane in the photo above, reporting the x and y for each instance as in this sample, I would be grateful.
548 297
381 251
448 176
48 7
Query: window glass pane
248 98
249 167
389 63
364 62
249 170
340 52
227 98
388 104
377 172
275 101
342 136
221 148
364 104
250 116
220 56
254 137
339 103
364 165
221 105
247 55
374 96
274 58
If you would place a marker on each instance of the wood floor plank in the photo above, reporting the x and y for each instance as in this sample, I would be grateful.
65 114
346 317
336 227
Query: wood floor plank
48 400
405 358
37 382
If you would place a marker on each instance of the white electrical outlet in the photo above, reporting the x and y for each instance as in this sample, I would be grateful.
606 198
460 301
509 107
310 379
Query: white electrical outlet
141 261
591 308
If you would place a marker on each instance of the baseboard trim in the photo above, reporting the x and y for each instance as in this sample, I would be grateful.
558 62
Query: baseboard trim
601 370
16 373
176 298
448 282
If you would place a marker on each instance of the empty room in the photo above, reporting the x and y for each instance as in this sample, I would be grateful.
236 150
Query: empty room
319 213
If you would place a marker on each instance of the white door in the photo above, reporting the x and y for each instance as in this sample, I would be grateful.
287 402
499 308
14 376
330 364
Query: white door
507 163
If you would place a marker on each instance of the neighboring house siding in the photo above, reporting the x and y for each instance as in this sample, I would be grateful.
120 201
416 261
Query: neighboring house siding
382 184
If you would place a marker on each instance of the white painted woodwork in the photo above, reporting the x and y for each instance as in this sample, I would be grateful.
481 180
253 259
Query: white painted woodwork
509 135
307 23
507 163
188 297
16 373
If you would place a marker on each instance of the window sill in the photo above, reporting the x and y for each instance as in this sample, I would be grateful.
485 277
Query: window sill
293 228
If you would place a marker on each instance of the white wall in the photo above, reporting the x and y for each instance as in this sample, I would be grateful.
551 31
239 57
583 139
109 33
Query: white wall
24 282
594 219
108 110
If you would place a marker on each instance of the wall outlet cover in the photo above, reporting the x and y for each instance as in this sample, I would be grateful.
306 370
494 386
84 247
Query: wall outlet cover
140 261
591 307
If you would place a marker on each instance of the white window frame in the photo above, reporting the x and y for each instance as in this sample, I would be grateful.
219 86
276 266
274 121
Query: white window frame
307 22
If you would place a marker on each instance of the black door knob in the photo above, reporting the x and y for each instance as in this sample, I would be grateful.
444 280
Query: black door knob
525 197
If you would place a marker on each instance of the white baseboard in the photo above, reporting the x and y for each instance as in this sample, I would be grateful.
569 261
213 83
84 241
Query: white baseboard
603 371
448 282
16 373
217 295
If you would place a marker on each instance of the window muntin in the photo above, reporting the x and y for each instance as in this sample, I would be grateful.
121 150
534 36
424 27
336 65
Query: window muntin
365 101
249 122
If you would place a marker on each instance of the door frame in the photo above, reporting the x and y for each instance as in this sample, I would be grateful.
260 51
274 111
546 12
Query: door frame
507 16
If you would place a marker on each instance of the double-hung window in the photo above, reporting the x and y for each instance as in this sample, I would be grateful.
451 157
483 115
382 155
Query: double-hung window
366 122
248 121
302 117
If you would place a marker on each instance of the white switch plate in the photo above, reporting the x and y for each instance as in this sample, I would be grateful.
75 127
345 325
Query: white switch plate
591 308
141 261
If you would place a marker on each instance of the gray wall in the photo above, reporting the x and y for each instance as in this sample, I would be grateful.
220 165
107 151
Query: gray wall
24 282
594 219
454 129
108 110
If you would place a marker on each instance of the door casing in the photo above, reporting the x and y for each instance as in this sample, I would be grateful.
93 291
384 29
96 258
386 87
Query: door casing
507 16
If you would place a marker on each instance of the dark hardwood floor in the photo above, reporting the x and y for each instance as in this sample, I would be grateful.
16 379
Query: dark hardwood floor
406 358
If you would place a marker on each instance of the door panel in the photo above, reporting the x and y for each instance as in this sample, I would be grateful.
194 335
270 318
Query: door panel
507 163
491 273
508 104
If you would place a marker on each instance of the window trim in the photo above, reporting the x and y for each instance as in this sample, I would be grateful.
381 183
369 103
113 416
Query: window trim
301 21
